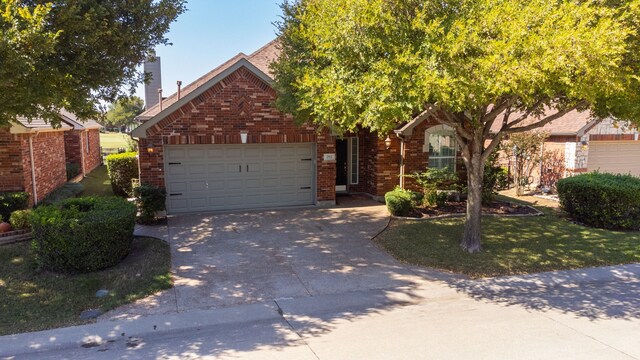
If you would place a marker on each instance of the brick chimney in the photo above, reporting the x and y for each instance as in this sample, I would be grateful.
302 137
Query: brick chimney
152 66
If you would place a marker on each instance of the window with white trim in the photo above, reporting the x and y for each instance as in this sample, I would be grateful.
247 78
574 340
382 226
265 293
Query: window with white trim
440 144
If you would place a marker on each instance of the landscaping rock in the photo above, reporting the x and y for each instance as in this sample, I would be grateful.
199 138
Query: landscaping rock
102 293
90 314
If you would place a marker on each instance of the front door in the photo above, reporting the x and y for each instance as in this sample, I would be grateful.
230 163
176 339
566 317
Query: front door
342 157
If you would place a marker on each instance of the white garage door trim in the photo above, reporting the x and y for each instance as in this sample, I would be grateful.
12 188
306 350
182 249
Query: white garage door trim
202 178
614 156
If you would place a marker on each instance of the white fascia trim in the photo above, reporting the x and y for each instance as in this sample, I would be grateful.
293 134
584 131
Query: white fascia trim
141 131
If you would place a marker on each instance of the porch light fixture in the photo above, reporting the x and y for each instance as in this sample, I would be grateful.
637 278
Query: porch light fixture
243 136
150 148
387 142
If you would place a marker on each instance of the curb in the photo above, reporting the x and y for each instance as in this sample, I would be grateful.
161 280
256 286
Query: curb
623 273
100 333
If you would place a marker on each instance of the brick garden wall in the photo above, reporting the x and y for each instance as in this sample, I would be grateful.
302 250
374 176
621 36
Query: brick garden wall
240 102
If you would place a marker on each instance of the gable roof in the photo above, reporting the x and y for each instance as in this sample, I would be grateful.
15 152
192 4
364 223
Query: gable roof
141 131
260 59
76 123
24 125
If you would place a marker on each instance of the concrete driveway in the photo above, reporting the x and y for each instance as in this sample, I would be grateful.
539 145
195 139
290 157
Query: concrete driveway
227 259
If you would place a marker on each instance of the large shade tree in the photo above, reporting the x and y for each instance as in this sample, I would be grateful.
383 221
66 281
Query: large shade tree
518 64
124 111
75 54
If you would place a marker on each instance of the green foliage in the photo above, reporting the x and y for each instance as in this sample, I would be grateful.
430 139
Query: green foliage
471 64
399 202
19 219
75 54
122 168
436 198
495 177
12 201
602 200
123 111
150 199
66 191
83 234
73 170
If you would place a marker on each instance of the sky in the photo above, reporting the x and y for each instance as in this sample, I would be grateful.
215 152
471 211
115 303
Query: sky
211 32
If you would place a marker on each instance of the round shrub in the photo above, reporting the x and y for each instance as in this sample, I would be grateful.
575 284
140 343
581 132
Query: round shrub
19 219
122 168
398 202
83 234
12 201
602 200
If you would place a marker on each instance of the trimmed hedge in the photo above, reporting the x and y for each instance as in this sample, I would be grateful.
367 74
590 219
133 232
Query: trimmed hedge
83 234
602 200
12 201
122 168
399 202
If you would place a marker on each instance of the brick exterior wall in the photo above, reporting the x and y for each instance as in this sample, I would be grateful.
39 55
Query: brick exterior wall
11 175
92 158
49 161
241 102
73 146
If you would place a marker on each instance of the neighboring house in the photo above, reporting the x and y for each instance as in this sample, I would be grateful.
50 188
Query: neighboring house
588 145
33 154
82 143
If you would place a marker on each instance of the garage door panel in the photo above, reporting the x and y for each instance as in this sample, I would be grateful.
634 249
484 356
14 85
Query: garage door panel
225 177
614 157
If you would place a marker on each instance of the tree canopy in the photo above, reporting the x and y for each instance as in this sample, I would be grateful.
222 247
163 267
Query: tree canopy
469 63
75 54
123 111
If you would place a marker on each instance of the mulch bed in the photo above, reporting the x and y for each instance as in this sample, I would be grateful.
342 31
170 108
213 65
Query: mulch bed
460 207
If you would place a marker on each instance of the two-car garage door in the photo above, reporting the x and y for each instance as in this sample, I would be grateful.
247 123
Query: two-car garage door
247 176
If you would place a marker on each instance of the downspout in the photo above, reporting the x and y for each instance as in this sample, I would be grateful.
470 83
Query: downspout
33 169
82 150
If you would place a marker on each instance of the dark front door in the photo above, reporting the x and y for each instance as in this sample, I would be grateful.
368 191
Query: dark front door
342 154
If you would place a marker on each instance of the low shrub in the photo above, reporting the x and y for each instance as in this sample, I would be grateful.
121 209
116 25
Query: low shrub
150 199
399 202
66 191
19 219
73 170
122 168
12 201
436 198
602 200
82 234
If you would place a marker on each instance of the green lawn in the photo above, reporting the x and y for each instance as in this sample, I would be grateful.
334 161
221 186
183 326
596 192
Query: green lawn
32 300
97 183
510 245
113 140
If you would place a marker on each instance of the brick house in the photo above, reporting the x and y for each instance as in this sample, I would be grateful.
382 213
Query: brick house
588 145
33 155
219 144
82 143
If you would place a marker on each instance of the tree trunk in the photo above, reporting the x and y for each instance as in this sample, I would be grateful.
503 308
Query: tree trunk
472 226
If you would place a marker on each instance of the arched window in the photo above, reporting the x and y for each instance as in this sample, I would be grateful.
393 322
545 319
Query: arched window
440 144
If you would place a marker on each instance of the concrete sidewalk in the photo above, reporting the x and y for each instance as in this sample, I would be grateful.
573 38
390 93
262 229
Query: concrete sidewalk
433 319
